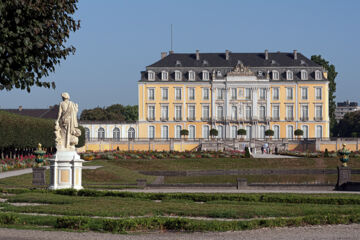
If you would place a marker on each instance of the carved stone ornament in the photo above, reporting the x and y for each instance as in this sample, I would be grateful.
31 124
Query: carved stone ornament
241 70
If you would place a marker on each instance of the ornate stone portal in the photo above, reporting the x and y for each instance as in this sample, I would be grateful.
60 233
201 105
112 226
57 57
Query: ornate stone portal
66 165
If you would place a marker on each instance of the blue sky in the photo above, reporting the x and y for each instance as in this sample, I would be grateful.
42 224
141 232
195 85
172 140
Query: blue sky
118 39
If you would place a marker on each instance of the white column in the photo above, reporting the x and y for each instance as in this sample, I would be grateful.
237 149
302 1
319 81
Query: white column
213 107
296 106
268 102
254 102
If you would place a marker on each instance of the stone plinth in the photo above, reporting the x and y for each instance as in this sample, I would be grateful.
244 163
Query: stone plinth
344 176
241 183
39 176
66 170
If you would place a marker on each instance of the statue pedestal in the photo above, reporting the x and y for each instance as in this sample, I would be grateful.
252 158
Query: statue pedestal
344 176
65 170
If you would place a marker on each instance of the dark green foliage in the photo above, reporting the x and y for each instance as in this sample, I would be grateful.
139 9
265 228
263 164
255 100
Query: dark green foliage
349 126
247 152
21 132
184 132
116 112
330 68
32 40
81 142
298 132
269 133
326 153
72 222
8 218
213 132
241 132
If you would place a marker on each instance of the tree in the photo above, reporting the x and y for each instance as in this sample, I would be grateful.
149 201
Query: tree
241 132
331 75
269 133
32 40
184 132
298 132
116 112
349 126
213 132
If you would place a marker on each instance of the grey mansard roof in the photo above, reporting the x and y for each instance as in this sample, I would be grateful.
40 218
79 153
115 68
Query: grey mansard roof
276 59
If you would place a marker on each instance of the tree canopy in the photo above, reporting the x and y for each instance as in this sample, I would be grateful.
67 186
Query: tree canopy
32 40
331 75
349 126
116 112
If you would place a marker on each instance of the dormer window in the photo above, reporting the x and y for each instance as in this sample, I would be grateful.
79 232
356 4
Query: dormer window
289 75
191 76
275 75
304 75
205 75
164 76
218 74
178 63
318 75
205 63
151 75
178 75
260 73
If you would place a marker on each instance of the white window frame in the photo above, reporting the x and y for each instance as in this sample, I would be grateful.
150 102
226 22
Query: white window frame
276 118
203 93
318 75
191 96
178 75
288 115
306 132
164 75
178 118
205 75
291 135
303 97
316 96
190 117
234 129
260 112
262 129
149 95
220 94
148 113
234 112
289 75
278 93
276 132
208 112
115 131
163 90
176 132
248 116
207 129
165 112
191 75
304 75
151 75
217 112
192 133
288 91
316 131
233 93
317 117
304 118
176 96
163 131
151 131
275 75
248 91
262 93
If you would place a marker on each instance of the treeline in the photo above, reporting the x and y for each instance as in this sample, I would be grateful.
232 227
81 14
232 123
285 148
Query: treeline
20 135
349 126
116 112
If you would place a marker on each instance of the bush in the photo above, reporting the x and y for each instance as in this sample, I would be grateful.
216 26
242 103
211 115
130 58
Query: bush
241 132
247 152
72 222
213 132
326 153
81 142
298 132
184 132
8 218
269 133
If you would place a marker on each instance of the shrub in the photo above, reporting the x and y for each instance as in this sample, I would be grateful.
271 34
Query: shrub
326 153
8 218
213 132
81 142
247 152
298 132
184 132
269 133
241 132
72 222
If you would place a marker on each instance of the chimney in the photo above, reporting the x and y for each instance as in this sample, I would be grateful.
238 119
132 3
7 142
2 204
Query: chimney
171 52
227 55
295 55
266 54
20 108
197 55
163 55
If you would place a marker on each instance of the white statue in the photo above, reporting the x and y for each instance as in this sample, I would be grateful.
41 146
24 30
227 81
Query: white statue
66 125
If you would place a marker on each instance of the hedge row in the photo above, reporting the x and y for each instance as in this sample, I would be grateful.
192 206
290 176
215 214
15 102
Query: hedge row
171 224
206 197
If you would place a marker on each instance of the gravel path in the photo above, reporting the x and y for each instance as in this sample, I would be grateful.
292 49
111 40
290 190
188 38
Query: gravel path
343 232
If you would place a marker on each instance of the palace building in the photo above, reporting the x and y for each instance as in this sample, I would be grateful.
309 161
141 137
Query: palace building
282 91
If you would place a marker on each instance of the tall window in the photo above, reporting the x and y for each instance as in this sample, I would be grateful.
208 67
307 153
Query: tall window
151 132
178 75
205 93
262 93
178 113
318 75
248 93
151 94
205 112
289 93
275 92
276 112
248 112
131 133
164 75
304 93
165 93
262 131
319 132
275 75
276 129
205 75
305 131
289 75
220 93
221 133
164 113
101 133
304 112
192 131
87 134
233 131
151 113
151 76
233 93
262 113
233 112
165 132
289 112
220 112
248 132
177 93
318 112
116 134
191 113
177 131
304 75
289 131
191 92
205 131
191 75
318 93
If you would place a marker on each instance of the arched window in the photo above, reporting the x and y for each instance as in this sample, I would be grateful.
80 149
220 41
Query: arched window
262 132
262 112
305 129
177 131
289 75
248 132
101 133
192 133
290 131
87 134
116 134
318 75
276 129
220 131
131 133
304 75
275 75
319 131
151 132
205 131
165 132
233 131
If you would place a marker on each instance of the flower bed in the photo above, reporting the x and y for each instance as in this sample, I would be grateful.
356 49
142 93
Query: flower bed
112 155
21 162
